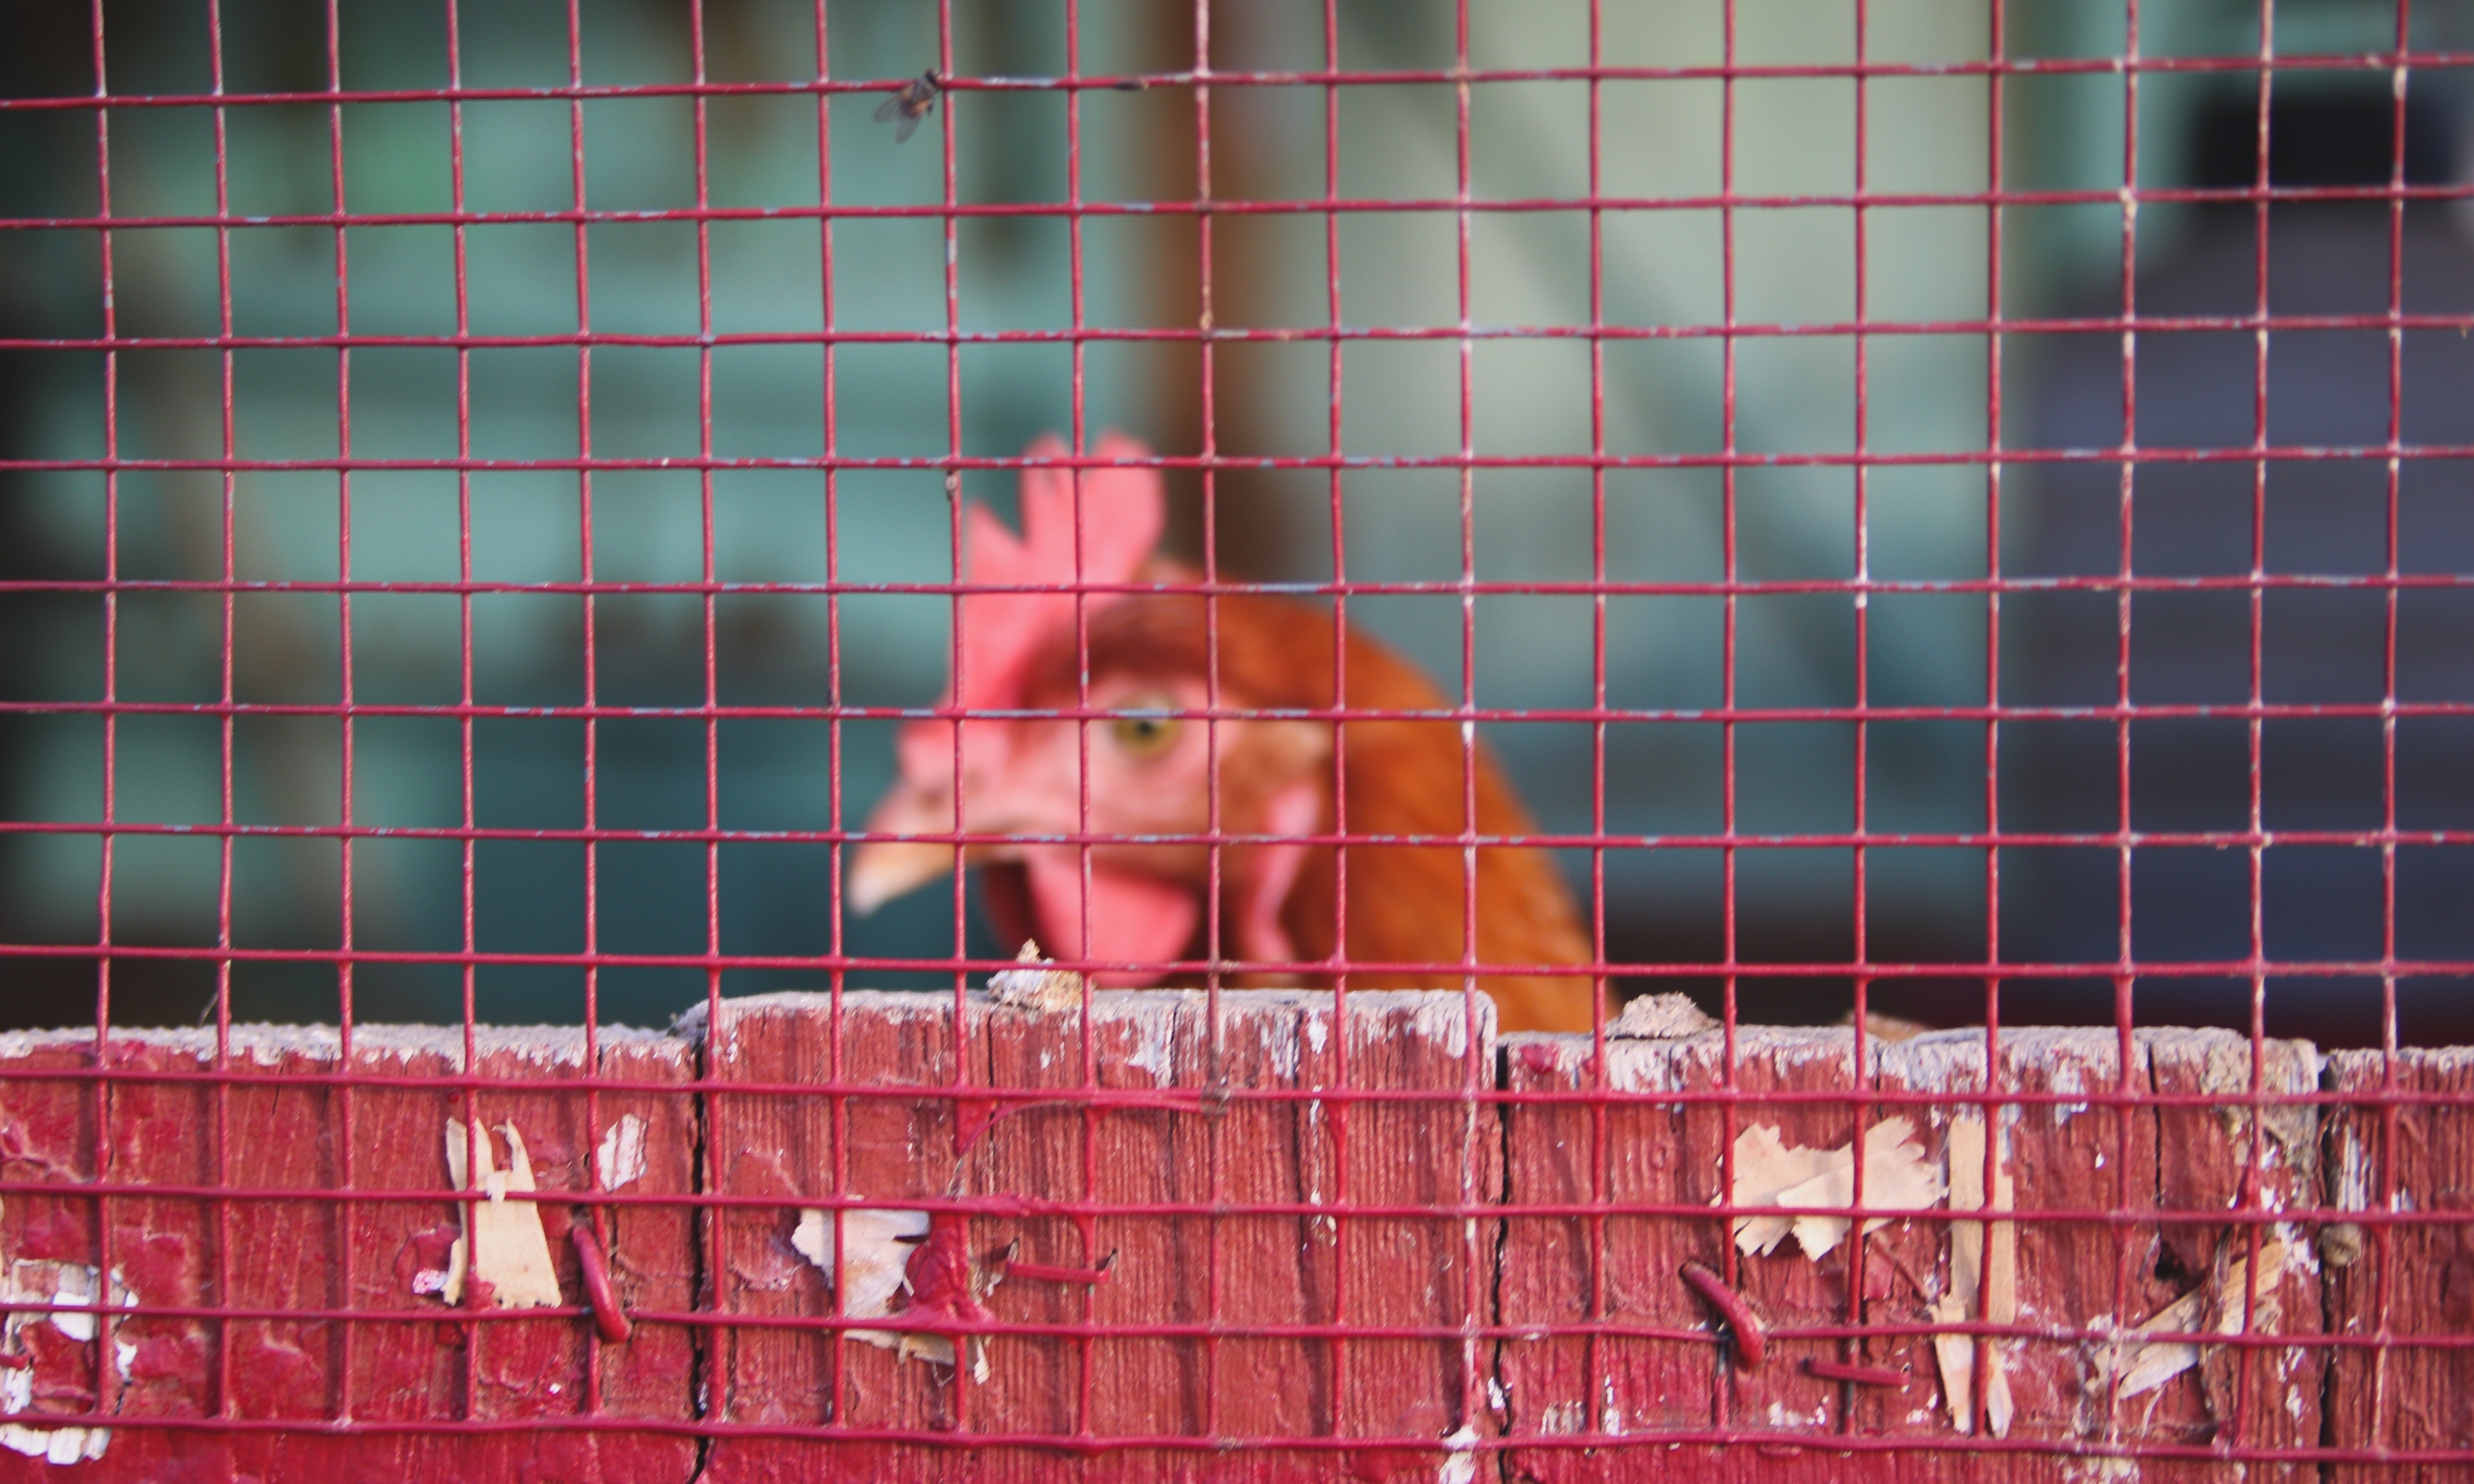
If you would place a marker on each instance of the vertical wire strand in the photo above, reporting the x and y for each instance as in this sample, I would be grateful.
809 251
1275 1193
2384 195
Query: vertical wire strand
1997 53
228 491
1085 1377
1472 1399
1729 1083
346 1210
587 568
1595 1364
1215 822
2127 1050
1860 1112
950 221
707 575
2384 1244
838 1110
1336 445
100 1094
2250 1233
475 1135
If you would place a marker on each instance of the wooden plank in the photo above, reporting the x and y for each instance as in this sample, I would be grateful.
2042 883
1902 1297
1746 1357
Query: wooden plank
1219 1165
49 1246
2072 1275
2405 1284
1182 1135
281 1253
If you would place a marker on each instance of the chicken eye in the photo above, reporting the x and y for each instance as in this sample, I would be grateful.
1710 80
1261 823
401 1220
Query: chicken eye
1144 735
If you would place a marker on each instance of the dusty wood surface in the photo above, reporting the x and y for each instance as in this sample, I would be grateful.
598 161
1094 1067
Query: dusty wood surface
1293 1269
2073 1274
291 1254
2411 1284
1192 1142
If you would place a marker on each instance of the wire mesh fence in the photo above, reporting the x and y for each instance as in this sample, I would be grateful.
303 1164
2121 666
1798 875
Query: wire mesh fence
1299 711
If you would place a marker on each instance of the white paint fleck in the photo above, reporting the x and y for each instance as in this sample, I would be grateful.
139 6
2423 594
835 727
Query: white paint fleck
2068 1077
620 1158
2353 1174
1280 1039
1460 1464
1318 1029
1154 1046
55 1286
1439 1017
875 1264
74 1288
58 1445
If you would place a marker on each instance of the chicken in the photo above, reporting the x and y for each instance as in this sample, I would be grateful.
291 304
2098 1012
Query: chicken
1151 753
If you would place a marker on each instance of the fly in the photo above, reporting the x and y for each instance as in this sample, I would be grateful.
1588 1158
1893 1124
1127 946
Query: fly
915 102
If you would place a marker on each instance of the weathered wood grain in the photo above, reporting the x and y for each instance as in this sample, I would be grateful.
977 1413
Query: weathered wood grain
2073 1275
296 1249
2408 1284
1322 1230
1210 1273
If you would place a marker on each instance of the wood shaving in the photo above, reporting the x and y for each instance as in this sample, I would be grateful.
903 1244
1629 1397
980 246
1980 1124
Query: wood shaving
2143 1368
1036 986
873 1266
1898 1177
1660 1017
503 1244
1765 1167
1983 1259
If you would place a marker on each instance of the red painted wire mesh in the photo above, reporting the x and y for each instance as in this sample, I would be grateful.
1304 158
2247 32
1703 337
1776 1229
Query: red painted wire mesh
1965 988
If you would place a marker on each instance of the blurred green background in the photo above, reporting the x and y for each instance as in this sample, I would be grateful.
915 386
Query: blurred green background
1663 266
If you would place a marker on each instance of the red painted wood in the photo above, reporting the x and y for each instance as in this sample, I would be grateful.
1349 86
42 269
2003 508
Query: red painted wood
1228 1173
286 1254
2412 1282
2072 1274
1287 1268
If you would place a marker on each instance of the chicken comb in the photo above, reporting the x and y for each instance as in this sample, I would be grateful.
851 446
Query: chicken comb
1123 514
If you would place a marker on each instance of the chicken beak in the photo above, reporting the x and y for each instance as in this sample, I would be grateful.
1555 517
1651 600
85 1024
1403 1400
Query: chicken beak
883 870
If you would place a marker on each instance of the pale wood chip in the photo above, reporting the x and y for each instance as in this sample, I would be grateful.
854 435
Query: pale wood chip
2143 1368
1035 987
1898 1177
1983 1259
1660 1017
874 1263
503 1244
